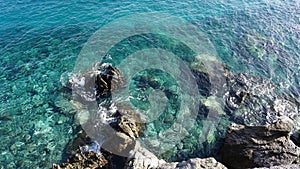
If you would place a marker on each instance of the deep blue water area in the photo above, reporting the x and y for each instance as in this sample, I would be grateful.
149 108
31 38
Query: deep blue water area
41 40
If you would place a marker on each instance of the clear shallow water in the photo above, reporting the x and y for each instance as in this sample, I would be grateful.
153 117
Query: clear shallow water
41 40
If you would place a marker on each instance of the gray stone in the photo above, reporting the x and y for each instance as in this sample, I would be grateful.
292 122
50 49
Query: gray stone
141 158
121 144
292 166
259 146
195 163
129 121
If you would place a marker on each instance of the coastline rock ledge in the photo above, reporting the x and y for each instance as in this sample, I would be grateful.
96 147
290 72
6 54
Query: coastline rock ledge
259 146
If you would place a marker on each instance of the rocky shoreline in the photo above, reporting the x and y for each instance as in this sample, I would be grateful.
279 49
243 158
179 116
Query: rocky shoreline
261 138
266 146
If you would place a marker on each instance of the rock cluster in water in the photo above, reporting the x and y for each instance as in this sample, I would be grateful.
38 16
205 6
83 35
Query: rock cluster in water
248 100
244 147
260 139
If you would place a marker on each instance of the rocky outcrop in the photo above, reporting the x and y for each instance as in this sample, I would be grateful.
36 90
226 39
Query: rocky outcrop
259 146
210 75
141 158
80 139
249 100
108 78
121 144
292 166
195 163
95 83
87 160
127 128
129 121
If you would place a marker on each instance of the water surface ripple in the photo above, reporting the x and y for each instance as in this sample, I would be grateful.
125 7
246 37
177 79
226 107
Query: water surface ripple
39 40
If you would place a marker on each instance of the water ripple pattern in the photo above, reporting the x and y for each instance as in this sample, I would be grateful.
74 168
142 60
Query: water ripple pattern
39 40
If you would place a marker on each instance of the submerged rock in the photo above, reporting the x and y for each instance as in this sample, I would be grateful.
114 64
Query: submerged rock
80 139
259 146
210 75
248 99
254 101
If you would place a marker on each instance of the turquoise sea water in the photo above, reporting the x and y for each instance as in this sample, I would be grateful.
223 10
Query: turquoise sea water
39 41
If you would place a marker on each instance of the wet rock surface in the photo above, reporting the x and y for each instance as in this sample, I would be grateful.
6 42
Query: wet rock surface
248 99
255 101
80 139
121 144
259 146
96 83
123 131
